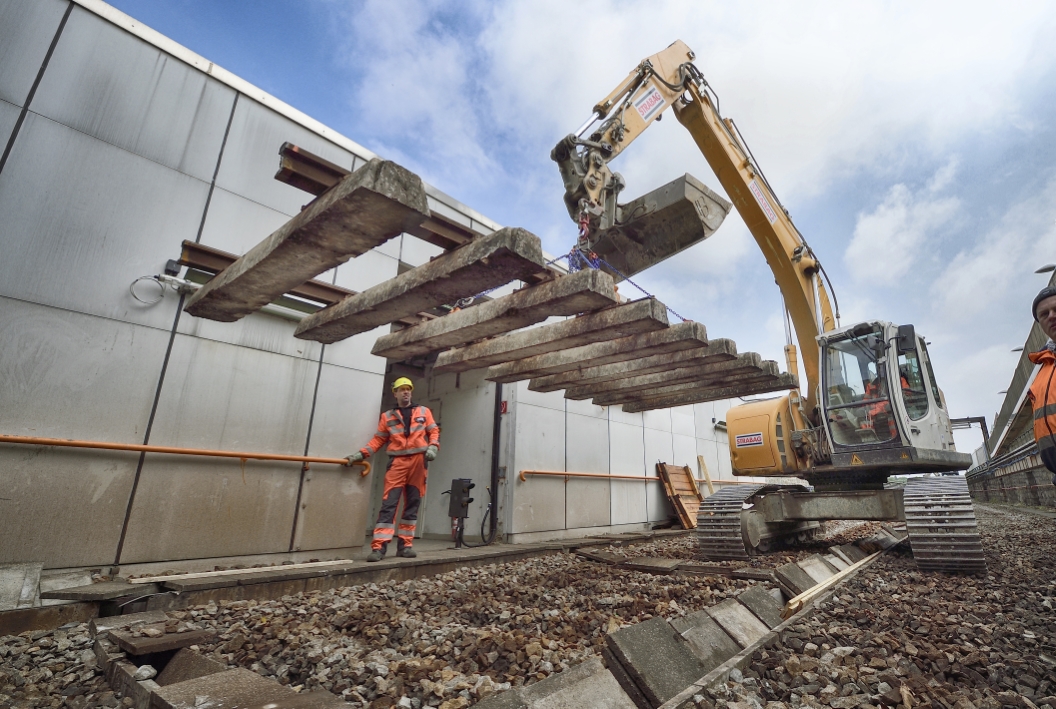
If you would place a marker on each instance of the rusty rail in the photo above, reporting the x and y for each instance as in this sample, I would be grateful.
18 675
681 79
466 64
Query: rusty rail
523 475
68 443
640 478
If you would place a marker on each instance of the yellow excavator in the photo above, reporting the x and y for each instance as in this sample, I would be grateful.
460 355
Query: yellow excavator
871 407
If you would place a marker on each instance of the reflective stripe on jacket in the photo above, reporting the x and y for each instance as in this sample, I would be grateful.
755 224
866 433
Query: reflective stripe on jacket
424 433
1043 400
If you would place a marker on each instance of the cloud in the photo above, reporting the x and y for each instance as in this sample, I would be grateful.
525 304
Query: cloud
888 242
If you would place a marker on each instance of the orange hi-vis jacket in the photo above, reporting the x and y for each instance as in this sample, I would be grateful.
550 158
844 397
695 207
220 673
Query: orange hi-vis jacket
1043 399
424 433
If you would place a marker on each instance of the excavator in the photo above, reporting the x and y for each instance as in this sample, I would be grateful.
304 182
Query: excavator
871 407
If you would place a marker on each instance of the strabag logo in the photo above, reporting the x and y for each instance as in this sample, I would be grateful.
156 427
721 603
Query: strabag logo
649 104
749 440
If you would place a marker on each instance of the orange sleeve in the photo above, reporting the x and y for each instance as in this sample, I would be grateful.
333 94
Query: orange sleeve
432 430
381 437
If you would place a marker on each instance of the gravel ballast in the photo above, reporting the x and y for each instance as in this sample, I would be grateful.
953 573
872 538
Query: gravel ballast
891 636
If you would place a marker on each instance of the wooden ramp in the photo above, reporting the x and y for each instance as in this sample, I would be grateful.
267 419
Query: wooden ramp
682 490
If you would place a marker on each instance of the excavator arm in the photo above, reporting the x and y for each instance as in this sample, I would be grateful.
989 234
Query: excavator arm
670 80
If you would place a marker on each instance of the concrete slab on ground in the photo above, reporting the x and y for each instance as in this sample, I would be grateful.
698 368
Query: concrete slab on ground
581 292
713 353
20 586
709 642
653 566
101 626
795 578
506 255
187 664
365 209
102 591
840 554
852 552
238 689
610 324
765 607
835 562
57 582
739 622
169 641
684 336
816 568
657 658
587 684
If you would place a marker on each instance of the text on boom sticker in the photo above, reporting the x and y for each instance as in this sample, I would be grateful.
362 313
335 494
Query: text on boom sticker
649 104
748 440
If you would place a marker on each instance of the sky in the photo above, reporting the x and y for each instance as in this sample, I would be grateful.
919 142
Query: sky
913 144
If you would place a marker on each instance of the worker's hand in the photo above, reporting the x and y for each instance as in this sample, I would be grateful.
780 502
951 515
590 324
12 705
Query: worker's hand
356 457
430 453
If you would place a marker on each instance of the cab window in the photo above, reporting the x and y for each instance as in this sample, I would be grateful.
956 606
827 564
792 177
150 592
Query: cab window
858 406
912 383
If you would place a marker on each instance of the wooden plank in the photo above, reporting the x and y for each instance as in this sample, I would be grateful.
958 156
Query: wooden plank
230 572
707 475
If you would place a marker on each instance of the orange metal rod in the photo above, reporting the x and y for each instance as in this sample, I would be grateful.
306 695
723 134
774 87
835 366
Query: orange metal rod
639 478
35 441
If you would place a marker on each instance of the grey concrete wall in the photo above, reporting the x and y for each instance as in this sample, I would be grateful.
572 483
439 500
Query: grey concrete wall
1025 487
124 152
549 432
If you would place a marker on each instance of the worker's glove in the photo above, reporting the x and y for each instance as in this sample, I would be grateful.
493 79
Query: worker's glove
430 453
356 457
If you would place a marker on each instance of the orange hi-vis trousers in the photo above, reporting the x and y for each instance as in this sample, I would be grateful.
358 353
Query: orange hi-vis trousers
405 477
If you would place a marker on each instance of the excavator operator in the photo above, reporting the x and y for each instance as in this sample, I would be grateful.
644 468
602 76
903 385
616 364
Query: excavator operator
413 439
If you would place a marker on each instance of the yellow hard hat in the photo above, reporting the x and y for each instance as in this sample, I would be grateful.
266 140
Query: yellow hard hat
402 382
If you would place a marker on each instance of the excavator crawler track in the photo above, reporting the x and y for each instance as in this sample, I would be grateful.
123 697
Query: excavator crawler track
941 525
719 535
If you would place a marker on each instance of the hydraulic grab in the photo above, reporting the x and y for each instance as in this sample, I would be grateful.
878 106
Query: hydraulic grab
871 407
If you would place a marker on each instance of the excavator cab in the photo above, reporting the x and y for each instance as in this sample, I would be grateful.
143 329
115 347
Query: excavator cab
880 402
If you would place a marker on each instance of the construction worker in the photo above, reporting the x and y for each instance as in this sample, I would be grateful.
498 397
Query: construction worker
413 439
1042 391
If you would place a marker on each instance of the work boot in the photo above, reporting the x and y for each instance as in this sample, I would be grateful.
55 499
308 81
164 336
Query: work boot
406 552
376 555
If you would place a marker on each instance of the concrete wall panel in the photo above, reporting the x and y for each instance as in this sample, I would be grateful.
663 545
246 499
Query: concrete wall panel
236 224
335 501
553 400
539 502
657 448
27 28
257 401
67 375
416 252
684 451
83 219
683 421
658 420
251 157
358 274
106 83
8 116
586 408
627 457
264 331
587 499
465 452
617 414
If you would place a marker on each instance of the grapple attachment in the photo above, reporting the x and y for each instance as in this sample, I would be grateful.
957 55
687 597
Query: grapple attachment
658 225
